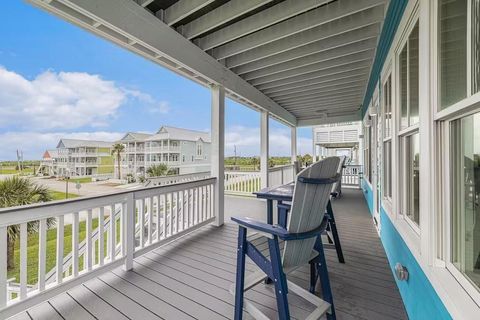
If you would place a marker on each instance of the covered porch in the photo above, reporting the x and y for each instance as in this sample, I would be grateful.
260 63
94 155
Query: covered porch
189 278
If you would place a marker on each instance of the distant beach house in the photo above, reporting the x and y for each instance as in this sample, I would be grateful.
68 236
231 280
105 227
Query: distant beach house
182 150
79 158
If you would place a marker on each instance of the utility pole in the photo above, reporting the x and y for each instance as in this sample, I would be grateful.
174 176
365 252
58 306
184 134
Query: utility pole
235 155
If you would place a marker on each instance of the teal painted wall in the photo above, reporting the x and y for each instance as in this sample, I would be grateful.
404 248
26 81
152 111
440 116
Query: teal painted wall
368 193
420 299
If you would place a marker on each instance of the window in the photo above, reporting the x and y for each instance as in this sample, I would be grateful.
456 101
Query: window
367 149
408 67
411 183
465 211
387 142
199 149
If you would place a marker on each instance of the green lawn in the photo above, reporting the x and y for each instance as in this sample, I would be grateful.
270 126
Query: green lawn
58 195
12 170
81 180
32 250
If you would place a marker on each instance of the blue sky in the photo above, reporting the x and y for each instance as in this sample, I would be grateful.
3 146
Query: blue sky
57 80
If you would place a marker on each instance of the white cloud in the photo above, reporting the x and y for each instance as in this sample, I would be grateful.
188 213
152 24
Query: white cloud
64 100
247 141
33 144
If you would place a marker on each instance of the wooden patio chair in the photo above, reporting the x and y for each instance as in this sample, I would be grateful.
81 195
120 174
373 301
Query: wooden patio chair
306 222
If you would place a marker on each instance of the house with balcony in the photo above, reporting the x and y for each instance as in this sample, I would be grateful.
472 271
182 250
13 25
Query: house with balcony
184 151
407 69
338 139
48 165
83 158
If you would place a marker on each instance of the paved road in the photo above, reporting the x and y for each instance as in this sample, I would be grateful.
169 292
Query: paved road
87 189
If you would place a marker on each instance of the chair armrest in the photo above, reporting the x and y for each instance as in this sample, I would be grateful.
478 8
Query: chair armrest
278 231
285 206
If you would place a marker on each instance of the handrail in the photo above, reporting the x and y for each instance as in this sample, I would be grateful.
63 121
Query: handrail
144 218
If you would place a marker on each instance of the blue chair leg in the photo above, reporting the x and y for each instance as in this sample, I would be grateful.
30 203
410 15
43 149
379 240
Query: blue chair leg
336 239
313 276
322 271
240 280
280 280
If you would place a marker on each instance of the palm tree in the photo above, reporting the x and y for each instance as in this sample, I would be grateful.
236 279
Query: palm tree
117 149
18 191
157 170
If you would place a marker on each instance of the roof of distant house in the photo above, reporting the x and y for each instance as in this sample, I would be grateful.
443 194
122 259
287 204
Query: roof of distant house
135 136
173 133
76 143
50 154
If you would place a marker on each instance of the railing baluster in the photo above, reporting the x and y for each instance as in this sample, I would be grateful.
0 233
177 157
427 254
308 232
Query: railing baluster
158 222
164 215
101 241
88 256
177 212
141 220
112 245
3 266
23 260
75 244
129 231
170 211
150 219
60 239
42 253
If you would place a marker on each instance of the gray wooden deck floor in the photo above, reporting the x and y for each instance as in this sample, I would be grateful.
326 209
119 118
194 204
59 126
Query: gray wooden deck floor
190 278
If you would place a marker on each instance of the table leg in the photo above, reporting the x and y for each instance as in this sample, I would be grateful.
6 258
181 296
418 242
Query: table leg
269 211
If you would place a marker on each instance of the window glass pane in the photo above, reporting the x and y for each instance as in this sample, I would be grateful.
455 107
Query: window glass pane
403 88
412 195
387 104
465 226
453 51
476 45
413 75
387 169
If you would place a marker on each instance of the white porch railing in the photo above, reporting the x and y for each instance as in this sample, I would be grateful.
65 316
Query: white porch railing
161 181
144 219
240 182
281 175
351 176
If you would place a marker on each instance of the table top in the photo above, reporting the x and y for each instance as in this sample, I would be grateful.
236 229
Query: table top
283 192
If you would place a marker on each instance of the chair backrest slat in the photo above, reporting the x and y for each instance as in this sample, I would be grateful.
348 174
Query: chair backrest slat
308 209
337 185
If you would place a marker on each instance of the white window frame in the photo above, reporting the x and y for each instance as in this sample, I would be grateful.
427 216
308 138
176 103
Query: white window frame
443 121
387 74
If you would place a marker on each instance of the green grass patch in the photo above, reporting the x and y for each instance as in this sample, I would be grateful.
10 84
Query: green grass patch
59 195
81 180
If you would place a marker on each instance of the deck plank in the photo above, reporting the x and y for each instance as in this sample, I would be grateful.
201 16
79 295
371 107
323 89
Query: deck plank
190 279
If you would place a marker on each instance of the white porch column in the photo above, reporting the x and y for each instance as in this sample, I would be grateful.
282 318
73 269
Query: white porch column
293 137
218 150
264 148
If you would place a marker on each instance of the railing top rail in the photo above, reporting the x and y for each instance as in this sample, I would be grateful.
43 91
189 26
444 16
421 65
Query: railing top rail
20 214
278 168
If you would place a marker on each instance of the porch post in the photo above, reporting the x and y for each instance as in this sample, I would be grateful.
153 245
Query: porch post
218 150
293 137
264 148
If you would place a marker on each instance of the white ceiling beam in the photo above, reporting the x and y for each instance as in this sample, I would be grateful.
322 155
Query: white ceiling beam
182 9
294 81
314 93
279 12
144 3
349 49
355 36
347 24
327 101
300 23
333 78
124 19
323 65
329 84
221 15
324 98
326 109
308 121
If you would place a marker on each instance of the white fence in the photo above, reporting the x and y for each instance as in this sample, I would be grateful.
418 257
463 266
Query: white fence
246 182
161 181
352 175
281 175
128 224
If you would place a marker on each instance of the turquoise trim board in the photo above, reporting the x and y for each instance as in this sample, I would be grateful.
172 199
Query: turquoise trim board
392 20
420 299
368 194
